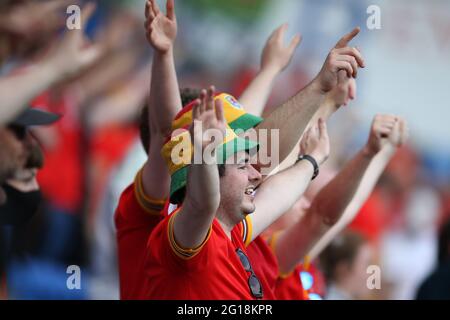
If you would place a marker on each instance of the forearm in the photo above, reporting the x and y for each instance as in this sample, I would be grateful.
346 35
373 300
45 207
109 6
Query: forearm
199 206
332 200
279 193
291 119
368 183
325 111
165 101
103 75
31 83
256 95
293 243
156 178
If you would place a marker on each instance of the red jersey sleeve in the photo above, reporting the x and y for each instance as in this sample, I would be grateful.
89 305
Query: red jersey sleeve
167 252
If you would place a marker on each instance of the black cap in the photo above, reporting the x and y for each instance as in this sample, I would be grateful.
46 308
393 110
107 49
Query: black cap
35 117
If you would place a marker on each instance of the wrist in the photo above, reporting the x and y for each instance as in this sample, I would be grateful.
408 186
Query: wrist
312 160
163 54
388 150
270 70
326 109
49 71
332 101
317 87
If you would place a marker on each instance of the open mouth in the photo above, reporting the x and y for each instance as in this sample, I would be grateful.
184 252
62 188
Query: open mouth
250 191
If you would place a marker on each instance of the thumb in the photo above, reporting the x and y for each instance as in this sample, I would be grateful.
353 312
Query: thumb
322 129
294 43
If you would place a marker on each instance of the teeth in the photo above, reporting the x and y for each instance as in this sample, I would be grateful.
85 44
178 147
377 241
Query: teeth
250 191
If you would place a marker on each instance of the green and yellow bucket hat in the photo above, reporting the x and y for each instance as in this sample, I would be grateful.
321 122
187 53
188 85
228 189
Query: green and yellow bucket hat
177 151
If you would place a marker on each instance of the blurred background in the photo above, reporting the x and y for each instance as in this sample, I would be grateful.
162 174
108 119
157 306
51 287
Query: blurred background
94 152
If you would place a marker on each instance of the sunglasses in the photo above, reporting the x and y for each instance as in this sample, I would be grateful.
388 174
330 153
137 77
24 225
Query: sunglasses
307 281
18 131
253 281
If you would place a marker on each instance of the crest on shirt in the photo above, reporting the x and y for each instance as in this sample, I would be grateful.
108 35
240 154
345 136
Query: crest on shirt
234 102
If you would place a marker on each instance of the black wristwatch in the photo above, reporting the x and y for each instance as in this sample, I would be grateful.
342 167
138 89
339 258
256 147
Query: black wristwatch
313 162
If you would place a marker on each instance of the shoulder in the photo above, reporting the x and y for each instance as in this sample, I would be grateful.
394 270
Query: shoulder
134 203
163 244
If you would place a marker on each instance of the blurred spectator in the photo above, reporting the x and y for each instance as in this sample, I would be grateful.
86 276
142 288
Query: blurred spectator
21 190
92 153
344 263
437 284
404 246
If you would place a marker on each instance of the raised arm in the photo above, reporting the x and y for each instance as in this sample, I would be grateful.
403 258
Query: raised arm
275 58
67 59
192 223
329 205
279 192
396 139
294 115
30 19
164 101
333 100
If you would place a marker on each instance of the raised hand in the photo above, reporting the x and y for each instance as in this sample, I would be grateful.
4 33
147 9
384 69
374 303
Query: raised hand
316 143
276 56
344 91
161 30
208 120
34 18
341 57
386 130
399 134
73 52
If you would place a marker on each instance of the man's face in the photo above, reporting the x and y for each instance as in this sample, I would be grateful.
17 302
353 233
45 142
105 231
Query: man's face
13 153
237 187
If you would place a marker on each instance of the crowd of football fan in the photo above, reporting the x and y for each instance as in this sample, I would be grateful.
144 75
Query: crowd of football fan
207 216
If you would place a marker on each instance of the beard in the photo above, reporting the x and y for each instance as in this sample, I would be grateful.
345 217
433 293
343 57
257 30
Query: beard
6 172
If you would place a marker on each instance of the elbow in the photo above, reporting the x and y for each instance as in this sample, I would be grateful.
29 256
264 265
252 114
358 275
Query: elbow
164 131
322 211
206 205
159 130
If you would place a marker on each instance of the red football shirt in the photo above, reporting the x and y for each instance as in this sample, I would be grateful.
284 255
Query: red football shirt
213 271
136 217
291 287
263 260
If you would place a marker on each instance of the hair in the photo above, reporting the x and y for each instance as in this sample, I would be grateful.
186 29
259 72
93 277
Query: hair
444 243
221 168
343 249
187 96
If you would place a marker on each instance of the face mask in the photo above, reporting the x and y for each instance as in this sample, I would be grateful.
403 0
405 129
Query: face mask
19 207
